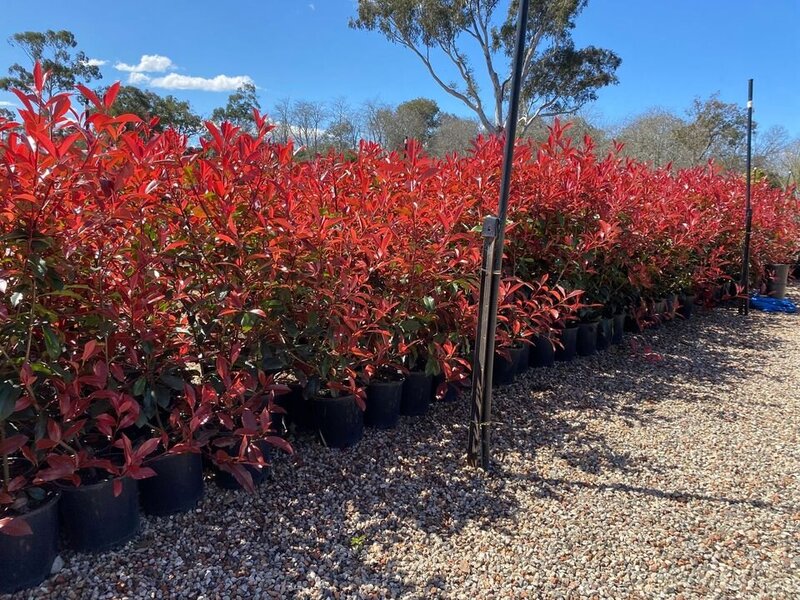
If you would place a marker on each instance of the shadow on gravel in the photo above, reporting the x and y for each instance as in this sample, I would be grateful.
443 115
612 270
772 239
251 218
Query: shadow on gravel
556 487
348 509
696 361
425 488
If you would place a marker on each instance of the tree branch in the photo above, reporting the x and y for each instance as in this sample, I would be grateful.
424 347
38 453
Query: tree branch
447 88
481 34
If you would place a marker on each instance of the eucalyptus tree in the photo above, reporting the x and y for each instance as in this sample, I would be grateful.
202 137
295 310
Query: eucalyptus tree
558 78
57 52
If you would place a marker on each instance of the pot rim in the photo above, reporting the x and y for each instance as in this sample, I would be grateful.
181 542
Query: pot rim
169 454
334 398
46 504
90 486
391 383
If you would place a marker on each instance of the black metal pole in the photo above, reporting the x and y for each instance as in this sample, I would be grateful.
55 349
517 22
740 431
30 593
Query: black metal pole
487 319
748 209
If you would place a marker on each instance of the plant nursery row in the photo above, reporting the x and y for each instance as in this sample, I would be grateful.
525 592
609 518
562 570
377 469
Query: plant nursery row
167 309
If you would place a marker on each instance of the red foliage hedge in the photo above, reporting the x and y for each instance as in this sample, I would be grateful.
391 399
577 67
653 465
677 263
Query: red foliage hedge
147 289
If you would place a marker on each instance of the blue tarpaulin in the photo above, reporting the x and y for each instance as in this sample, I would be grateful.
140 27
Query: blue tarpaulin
768 304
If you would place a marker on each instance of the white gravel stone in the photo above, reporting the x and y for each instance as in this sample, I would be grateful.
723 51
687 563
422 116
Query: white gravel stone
615 477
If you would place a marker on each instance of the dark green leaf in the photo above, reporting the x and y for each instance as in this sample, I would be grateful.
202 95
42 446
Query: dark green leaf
51 341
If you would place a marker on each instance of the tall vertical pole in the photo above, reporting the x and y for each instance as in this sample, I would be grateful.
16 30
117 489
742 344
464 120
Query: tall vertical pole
748 209
494 240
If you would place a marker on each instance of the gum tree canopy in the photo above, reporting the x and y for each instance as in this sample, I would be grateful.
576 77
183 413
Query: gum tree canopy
446 34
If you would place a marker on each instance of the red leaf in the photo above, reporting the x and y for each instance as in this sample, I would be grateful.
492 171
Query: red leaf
147 448
38 77
53 430
15 526
12 444
88 350
141 472
279 442
89 95
111 95
117 487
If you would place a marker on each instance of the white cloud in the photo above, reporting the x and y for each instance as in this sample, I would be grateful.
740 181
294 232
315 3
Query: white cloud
138 79
6 103
220 83
95 62
149 63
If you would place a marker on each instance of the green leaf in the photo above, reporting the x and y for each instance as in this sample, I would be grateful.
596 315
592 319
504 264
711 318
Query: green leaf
248 321
410 325
40 367
51 341
141 421
428 303
176 383
36 493
8 399
139 386
64 293
39 266
16 298
163 396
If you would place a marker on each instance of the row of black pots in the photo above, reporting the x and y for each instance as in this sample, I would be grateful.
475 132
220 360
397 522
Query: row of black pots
660 311
92 518
583 339
339 422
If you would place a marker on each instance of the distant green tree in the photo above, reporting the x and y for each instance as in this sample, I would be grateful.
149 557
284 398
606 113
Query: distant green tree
239 110
344 125
453 135
715 130
171 112
56 52
414 119
653 137
557 77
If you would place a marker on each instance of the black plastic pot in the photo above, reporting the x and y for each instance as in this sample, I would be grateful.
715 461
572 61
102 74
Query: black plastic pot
524 359
656 313
569 342
298 410
605 333
93 519
450 395
619 328
686 307
227 481
778 276
177 486
417 393
586 342
26 561
504 370
542 353
339 421
383 404
672 305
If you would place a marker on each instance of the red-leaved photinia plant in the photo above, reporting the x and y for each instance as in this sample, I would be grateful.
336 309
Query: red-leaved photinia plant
148 292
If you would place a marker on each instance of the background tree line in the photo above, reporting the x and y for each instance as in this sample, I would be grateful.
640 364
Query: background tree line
709 129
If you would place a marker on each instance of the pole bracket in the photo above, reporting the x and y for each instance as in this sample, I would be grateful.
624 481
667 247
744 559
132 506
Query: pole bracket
491 227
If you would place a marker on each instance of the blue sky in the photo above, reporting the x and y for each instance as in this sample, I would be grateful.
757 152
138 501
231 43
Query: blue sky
672 51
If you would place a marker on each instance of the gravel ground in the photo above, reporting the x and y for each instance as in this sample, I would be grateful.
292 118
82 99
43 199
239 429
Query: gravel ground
669 472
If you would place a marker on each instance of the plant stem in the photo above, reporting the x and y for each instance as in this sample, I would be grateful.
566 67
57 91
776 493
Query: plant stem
6 467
